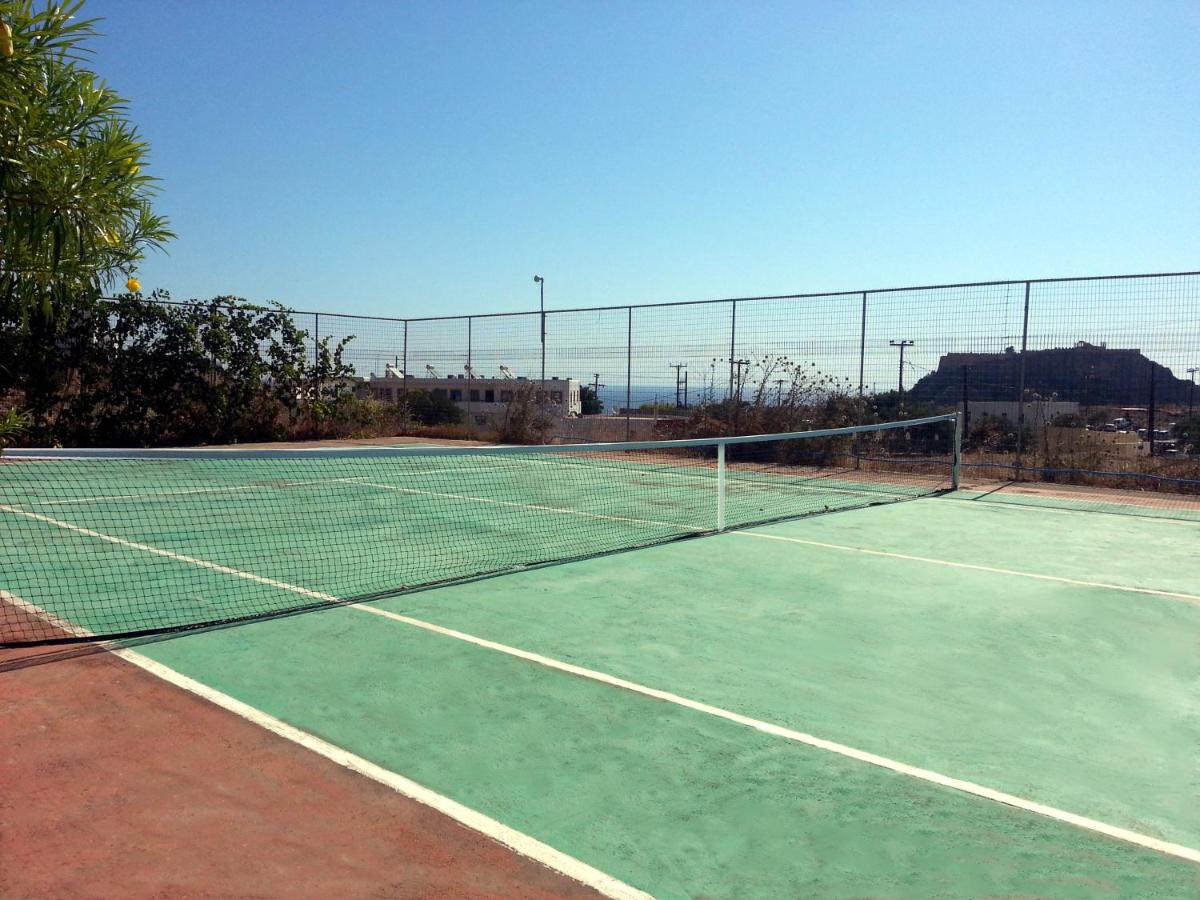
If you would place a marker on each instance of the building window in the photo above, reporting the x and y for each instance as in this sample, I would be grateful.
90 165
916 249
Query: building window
506 396
455 394
387 394
440 393
474 395
489 396
556 396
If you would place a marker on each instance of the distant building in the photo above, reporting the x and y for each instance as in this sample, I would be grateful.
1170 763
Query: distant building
483 401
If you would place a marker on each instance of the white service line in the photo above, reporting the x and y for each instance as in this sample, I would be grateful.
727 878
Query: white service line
983 500
927 775
1112 831
1193 599
516 505
150 495
517 841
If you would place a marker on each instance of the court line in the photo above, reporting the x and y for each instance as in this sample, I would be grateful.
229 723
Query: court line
514 504
927 775
1193 599
150 495
983 500
521 843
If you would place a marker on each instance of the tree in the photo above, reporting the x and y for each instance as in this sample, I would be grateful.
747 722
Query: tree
1187 431
13 423
590 403
433 409
146 371
75 214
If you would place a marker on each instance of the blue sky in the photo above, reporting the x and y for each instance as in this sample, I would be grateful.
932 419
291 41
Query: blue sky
416 159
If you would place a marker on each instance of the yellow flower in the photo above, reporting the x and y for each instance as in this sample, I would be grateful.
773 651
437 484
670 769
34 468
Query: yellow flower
6 44
134 285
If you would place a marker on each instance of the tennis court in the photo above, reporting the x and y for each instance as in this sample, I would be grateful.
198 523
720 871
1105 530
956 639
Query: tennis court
974 693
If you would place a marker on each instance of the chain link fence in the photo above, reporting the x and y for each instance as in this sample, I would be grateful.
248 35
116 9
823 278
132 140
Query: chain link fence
1055 377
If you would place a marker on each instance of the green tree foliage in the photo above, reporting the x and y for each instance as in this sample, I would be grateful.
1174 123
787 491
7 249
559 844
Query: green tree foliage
143 372
590 403
13 423
433 409
75 214
1187 431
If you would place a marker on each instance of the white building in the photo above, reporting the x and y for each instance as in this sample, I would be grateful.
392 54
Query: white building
484 401
1037 412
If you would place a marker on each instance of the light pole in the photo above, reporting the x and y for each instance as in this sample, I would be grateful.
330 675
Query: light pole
541 283
1192 391
901 345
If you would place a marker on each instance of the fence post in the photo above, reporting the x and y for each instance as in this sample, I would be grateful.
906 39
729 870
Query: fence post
720 485
316 385
628 367
862 349
1021 384
404 371
966 409
956 465
732 344
470 379
1150 414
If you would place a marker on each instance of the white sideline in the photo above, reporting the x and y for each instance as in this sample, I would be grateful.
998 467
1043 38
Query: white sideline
1193 599
521 843
927 775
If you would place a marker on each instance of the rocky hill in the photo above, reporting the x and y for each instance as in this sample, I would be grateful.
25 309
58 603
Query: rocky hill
1087 374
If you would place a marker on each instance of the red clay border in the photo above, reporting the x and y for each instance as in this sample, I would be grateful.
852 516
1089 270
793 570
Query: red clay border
117 784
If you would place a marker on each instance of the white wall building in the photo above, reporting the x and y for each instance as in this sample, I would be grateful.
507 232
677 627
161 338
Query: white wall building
484 401
1037 412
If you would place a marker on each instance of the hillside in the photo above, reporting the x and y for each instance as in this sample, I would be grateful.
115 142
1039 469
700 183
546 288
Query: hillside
1087 374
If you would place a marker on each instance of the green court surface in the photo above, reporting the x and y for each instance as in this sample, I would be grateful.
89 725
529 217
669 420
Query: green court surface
937 649
105 544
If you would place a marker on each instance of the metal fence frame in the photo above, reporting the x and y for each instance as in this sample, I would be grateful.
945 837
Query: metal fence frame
733 303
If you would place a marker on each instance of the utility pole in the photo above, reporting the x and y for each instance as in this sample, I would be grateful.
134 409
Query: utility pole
779 383
680 384
737 365
1192 390
596 385
901 345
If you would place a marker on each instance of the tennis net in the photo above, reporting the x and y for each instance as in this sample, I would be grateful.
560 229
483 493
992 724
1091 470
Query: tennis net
111 543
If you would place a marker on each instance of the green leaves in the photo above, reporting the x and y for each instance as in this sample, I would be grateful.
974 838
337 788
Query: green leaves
75 206
143 371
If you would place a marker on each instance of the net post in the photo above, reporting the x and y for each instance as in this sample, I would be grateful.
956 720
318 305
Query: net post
956 467
720 486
